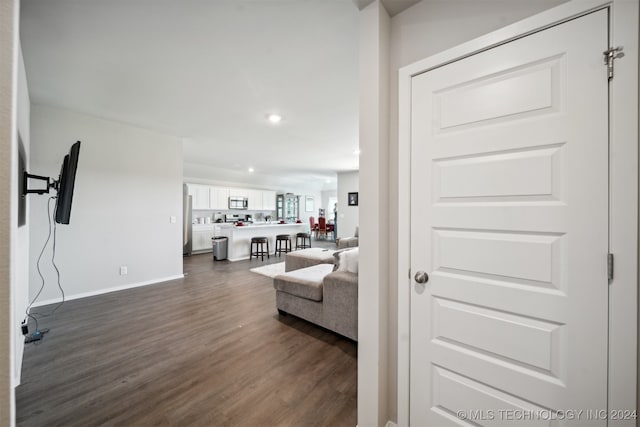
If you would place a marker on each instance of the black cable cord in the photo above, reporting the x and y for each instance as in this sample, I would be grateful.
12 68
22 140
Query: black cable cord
53 261
29 315
55 266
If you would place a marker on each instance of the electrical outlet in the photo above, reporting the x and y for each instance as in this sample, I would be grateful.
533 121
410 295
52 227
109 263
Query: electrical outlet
123 270
172 219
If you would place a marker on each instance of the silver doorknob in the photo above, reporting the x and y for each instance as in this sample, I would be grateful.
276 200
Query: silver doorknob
422 277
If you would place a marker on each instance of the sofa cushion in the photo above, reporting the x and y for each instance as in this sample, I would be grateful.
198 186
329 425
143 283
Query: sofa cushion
348 261
307 257
336 257
340 261
305 282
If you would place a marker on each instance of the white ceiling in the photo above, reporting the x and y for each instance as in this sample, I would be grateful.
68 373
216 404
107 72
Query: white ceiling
393 7
209 71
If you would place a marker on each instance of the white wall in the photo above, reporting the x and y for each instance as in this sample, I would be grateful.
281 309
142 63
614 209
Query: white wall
348 216
430 27
328 202
317 203
326 196
422 30
8 89
129 183
20 245
373 350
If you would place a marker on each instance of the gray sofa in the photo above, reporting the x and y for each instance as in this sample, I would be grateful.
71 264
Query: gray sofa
322 296
307 257
348 242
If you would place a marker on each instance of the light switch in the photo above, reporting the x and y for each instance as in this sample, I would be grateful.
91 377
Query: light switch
172 219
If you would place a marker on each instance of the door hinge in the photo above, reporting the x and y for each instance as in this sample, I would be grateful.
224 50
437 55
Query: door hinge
610 266
609 55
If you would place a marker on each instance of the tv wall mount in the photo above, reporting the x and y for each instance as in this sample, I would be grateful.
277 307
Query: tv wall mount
50 183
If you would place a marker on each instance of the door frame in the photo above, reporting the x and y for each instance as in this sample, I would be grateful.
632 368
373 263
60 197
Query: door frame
623 186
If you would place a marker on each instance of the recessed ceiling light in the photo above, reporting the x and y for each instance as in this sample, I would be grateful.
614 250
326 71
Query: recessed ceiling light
357 152
251 169
274 118
328 181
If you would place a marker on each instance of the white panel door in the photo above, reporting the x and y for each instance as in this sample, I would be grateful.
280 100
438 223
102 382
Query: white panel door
509 219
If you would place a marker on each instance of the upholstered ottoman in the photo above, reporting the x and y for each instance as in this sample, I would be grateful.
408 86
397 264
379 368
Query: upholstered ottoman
304 283
322 296
307 258
299 292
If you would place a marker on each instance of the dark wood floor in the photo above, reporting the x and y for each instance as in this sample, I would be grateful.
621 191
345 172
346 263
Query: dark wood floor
207 350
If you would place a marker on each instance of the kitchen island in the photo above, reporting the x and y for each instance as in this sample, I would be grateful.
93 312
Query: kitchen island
238 247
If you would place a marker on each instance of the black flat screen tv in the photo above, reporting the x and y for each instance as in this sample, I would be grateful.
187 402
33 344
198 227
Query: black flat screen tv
22 198
64 185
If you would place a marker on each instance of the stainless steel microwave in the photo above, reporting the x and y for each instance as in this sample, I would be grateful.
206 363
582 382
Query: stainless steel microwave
238 203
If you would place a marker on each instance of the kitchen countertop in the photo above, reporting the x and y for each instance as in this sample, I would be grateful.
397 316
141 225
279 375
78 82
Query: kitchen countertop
239 243
261 225
246 225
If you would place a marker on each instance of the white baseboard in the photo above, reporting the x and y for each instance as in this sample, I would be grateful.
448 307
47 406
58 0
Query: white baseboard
391 424
107 290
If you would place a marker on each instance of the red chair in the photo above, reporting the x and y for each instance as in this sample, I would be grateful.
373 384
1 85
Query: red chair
331 230
314 226
322 227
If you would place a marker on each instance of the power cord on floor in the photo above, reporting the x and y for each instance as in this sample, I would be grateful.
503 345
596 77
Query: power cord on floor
38 333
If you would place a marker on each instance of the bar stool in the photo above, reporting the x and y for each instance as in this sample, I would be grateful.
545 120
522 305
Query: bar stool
259 247
287 244
302 239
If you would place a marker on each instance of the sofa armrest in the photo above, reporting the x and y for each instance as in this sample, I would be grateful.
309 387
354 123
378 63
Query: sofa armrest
347 242
340 295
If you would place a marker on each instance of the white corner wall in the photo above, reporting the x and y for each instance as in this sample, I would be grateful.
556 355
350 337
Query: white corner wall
20 245
128 185
374 389
430 27
348 216
8 89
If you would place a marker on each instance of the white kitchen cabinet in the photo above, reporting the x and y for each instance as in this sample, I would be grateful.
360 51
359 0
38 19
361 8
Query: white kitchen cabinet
238 192
219 198
210 197
255 200
200 196
202 239
268 200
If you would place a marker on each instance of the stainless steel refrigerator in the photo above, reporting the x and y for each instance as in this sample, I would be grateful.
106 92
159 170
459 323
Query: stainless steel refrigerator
187 239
